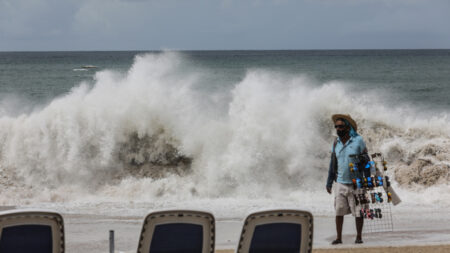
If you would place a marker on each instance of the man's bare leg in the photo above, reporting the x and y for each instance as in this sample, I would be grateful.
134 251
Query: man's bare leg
339 224
359 221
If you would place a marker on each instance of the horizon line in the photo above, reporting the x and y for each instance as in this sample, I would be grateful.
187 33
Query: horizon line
212 50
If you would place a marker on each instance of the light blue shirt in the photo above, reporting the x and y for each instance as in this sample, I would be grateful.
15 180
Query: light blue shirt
354 146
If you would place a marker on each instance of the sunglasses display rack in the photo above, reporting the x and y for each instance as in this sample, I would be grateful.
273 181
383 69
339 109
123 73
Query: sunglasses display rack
373 201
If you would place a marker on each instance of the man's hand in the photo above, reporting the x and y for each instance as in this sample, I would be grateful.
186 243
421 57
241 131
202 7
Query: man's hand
329 190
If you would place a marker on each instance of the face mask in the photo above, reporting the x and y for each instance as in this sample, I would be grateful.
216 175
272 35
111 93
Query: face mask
341 133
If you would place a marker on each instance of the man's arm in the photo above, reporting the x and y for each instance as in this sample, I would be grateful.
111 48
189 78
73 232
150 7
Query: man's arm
331 175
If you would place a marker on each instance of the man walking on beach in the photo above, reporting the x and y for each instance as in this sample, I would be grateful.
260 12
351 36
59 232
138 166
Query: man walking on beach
349 142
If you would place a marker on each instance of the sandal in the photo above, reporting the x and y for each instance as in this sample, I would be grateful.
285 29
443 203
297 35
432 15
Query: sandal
337 241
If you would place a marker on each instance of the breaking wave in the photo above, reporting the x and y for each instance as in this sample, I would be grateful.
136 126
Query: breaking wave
155 132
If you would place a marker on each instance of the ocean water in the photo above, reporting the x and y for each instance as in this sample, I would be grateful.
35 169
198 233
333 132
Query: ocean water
224 131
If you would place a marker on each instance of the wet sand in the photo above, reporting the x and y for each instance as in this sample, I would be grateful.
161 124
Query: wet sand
409 249
413 232
90 233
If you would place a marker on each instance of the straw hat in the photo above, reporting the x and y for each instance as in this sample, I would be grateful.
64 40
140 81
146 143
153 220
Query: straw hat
347 117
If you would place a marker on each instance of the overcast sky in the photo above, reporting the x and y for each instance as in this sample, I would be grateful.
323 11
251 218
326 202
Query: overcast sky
223 24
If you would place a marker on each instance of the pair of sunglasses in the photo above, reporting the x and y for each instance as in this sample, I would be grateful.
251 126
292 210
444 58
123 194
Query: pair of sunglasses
339 126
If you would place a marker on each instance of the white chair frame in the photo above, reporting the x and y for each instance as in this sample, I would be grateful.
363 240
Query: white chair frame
304 218
12 218
206 220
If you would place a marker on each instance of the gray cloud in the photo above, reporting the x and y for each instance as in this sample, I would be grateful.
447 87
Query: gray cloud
225 24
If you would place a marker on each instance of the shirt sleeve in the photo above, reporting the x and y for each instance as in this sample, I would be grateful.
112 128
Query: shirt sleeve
331 174
362 145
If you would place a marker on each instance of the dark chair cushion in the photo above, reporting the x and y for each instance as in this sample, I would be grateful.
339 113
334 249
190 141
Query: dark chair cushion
178 237
276 238
26 239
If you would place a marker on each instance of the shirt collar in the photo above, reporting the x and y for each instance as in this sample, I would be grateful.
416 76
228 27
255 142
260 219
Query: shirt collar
349 140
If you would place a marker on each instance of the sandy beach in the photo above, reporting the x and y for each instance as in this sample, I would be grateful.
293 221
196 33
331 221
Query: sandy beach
410 249
89 233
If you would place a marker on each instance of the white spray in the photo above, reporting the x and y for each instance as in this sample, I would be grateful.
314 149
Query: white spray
152 134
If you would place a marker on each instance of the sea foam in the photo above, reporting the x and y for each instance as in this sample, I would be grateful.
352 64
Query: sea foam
153 134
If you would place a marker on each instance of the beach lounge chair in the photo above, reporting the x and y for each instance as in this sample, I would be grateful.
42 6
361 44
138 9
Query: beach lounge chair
277 231
31 231
177 231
